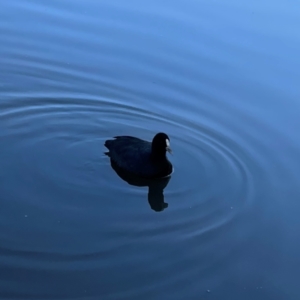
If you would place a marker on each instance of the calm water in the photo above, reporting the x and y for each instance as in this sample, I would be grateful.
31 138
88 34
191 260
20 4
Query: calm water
221 78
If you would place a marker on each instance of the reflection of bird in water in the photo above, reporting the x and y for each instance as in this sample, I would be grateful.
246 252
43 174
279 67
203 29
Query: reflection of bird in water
141 158
156 186
156 197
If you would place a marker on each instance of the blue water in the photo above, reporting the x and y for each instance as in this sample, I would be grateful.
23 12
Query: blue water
220 78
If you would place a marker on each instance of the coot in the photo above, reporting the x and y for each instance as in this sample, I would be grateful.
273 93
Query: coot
140 157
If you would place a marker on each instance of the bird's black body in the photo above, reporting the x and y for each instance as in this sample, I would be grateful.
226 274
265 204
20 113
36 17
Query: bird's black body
139 157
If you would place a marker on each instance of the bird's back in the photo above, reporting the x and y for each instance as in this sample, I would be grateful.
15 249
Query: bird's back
134 155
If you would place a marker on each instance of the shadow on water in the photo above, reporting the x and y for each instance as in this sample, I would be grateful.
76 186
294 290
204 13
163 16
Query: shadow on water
156 187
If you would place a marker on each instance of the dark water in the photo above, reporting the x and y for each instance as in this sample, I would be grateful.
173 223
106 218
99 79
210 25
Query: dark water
220 78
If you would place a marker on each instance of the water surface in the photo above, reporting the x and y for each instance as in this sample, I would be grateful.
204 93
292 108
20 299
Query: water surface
220 78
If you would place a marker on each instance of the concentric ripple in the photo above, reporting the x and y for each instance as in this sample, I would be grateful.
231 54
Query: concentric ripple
61 142
71 133
62 173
